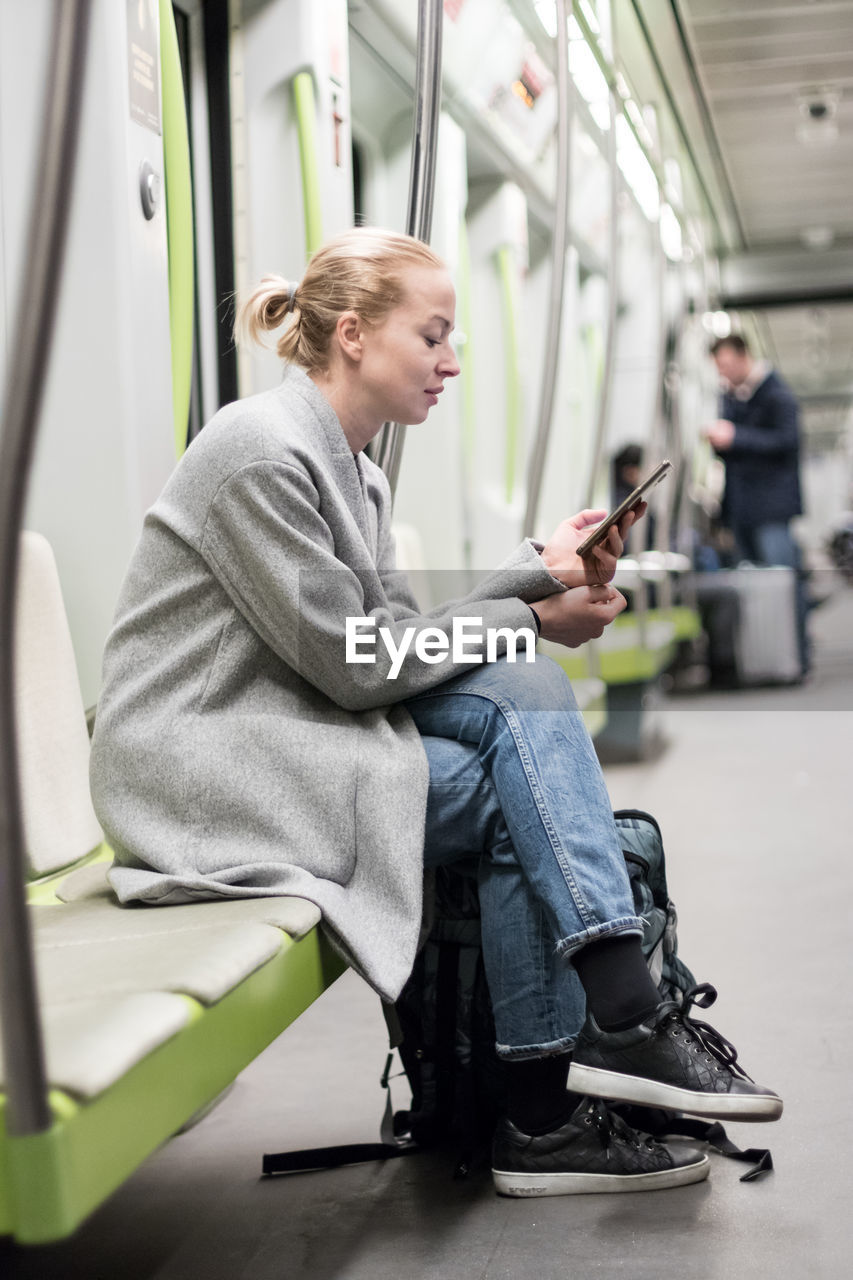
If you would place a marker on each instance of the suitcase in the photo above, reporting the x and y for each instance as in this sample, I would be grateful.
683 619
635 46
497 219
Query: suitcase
766 647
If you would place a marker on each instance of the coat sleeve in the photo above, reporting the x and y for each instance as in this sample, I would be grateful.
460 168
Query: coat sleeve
521 575
774 429
266 541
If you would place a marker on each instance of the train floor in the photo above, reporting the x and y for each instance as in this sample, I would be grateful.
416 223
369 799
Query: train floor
755 797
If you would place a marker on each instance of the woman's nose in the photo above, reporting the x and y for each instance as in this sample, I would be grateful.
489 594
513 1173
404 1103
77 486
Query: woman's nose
449 366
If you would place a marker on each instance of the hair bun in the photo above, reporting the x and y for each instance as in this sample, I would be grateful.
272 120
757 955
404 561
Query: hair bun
274 301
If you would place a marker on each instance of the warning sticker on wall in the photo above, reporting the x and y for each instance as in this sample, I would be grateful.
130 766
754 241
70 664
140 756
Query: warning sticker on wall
143 62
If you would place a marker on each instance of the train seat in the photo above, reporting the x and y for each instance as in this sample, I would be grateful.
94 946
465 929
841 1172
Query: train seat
146 1014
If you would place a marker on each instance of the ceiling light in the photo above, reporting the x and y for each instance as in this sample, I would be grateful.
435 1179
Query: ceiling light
546 12
817 237
717 323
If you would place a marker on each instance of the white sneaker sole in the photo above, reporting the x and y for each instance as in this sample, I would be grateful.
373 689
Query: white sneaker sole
527 1185
599 1083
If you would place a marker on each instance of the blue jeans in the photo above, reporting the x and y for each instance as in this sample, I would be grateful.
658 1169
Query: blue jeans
770 544
514 782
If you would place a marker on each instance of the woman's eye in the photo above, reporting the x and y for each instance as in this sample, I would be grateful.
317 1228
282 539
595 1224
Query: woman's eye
431 342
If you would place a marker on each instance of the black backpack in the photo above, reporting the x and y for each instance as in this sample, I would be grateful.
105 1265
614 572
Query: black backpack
443 1028
445 1031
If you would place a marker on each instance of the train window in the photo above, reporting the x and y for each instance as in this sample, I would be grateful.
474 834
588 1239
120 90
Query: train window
202 32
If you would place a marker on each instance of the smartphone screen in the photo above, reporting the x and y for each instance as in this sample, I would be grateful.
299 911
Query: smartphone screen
601 531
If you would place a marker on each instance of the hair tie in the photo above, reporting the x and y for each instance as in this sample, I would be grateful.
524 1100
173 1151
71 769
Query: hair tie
291 298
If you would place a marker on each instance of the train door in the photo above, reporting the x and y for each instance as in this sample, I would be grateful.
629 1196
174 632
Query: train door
499 97
502 89
581 373
383 73
436 471
637 365
498 236
290 141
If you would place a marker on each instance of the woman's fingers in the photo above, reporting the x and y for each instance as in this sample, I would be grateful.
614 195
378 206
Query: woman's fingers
631 517
581 614
587 517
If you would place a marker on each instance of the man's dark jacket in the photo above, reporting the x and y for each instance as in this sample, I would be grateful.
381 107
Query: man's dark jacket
762 464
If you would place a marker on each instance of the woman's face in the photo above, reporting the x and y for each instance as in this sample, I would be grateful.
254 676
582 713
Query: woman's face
406 359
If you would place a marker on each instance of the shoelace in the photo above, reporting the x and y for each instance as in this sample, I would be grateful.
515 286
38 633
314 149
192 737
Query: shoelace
607 1125
703 995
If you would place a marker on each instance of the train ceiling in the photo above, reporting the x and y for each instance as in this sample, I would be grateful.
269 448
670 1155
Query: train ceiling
757 98
771 83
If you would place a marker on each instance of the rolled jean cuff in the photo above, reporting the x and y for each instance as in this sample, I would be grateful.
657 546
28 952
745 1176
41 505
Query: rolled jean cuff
520 1052
623 924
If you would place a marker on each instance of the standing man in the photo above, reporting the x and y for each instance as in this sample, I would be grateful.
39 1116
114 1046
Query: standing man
758 437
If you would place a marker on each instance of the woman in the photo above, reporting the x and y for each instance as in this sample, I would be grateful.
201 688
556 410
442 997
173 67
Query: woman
255 737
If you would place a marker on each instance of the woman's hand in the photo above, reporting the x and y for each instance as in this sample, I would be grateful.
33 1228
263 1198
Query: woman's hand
559 554
573 617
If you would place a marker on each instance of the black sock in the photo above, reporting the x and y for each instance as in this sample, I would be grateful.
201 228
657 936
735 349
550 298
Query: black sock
616 979
537 1101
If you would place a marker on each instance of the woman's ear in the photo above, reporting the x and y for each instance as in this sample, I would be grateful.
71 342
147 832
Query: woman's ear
349 331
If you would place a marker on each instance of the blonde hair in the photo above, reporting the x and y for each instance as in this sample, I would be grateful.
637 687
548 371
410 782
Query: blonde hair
360 270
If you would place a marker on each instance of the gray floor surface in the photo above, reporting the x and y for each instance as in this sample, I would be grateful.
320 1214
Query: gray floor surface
755 797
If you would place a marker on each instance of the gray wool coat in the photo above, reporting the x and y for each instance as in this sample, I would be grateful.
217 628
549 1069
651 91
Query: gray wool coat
236 752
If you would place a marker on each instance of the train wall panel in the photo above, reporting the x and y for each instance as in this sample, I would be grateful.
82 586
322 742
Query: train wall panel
106 439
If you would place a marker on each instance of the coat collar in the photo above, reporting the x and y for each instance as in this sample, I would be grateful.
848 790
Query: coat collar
758 375
331 442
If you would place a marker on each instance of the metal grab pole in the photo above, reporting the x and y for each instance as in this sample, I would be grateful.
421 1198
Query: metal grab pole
427 108
612 299
389 444
660 445
26 1083
558 275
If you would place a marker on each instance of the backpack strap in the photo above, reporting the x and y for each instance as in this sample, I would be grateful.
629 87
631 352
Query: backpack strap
447 977
663 1124
390 1147
717 1138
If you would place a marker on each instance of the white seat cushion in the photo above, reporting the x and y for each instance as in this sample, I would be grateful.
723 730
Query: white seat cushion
94 947
91 1043
53 743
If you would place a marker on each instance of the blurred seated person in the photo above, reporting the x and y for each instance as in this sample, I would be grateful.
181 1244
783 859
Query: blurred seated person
626 474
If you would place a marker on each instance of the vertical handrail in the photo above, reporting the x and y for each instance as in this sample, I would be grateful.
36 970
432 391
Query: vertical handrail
389 443
514 408
662 444
612 300
427 108
559 243
468 436
23 1050
306 119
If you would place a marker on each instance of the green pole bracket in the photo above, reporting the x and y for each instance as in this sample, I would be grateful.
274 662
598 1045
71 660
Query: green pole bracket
512 372
306 124
179 223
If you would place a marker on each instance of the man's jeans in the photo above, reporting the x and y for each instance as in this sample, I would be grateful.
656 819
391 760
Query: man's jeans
771 544
515 782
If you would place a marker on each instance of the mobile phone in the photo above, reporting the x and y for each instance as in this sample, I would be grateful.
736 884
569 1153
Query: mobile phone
601 531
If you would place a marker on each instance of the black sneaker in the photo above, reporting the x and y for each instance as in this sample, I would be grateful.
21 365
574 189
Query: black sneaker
593 1151
670 1061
